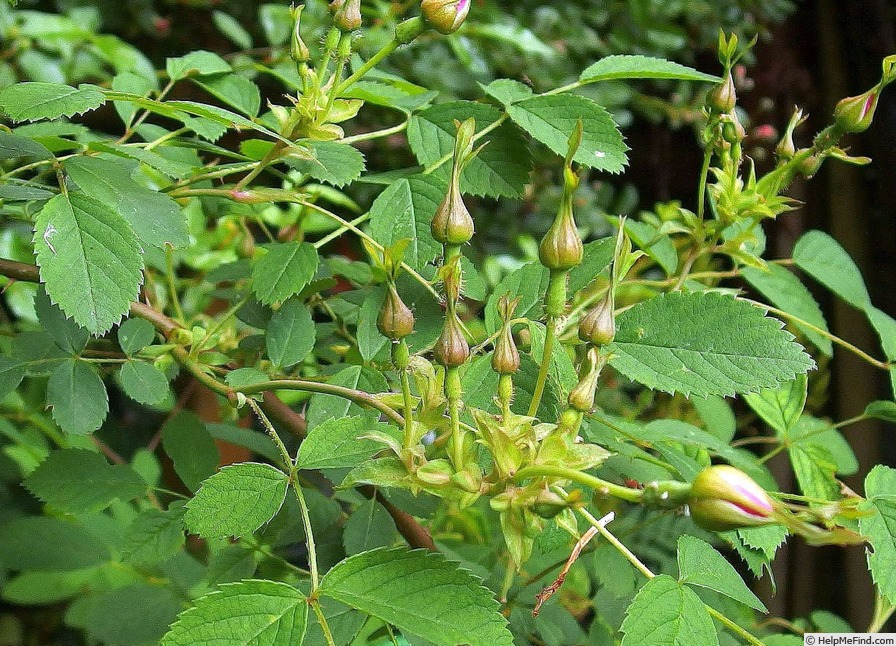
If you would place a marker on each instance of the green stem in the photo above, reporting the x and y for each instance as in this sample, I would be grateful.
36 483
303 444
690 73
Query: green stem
338 232
374 60
601 486
704 176
272 432
458 435
376 134
309 535
549 339
337 75
273 154
169 281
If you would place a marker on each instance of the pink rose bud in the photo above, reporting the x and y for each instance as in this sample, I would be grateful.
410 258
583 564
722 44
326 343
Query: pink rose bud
724 498
445 16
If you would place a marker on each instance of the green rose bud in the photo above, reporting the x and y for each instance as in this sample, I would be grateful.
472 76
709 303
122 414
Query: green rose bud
435 472
581 397
396 320
346 14
724 498
452 224
855 113
298 51
786 149
452 349
598 327
723 98
506 358
561 247
445 16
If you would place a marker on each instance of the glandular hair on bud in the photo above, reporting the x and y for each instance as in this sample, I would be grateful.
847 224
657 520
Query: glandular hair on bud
445 16
598 327
452 349
396 320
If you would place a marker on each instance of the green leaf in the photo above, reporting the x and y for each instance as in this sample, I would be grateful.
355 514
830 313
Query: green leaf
338 442
702 566
880 528
596 256
155 218
78 481
666 613
330 161
290 334
785 291
237 500
242 377
822 257
529 283
33 101
324 407
781 407
232 29
381 472
234 90
623 66
370 340
248 613
344 623
153 536
728 346
191 448
885 326
659 247
11 374
717 416
552 119
196 63
256 442
139 613
370 526
143 382
14 146
815 471
480 383
507 91
810 430
89 260
501 169
405 210
421 593
284 271
49 545
67 334
134 335
885 410
78 397
276 21
39 588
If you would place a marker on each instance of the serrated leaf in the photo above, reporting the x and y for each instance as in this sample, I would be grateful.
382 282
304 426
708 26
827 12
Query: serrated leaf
324 407
237 500
155 218
153 536
596 256
405 210
49 545
13 146
727 347
507 91
284 271
529 283
331 161
623 66
290 334
143 382
67 334
248 613
880 528
822 257
78 481
89 259
11 374
236 91
810 430
421 593
699 564
552 119
134 335
885 410
781 407
666 613
500 169
78 398
33 101
139 613
785 291
815 471
338 443
196 63
370 526
191 448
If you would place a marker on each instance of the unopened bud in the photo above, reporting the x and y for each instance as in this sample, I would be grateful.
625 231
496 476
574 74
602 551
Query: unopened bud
561 247
506 358
346 14
732 130
445 16
298 51
598 327
723 98
452 349
855 113
786 149
581 397
396 320
724 498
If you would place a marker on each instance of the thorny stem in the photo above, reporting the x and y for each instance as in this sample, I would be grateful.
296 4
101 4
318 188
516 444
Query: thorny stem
322 620
338 232
372 62
549 339
266 161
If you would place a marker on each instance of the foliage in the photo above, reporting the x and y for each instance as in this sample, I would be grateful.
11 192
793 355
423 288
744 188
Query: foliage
431 432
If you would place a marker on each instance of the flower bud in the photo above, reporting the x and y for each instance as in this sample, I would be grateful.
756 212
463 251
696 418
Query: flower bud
724 498
298 51
561 247
732 130
346 14
598 327
506 358
452 349
452 223
723 98
855 113
581 397
396 320
445 16
786 149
